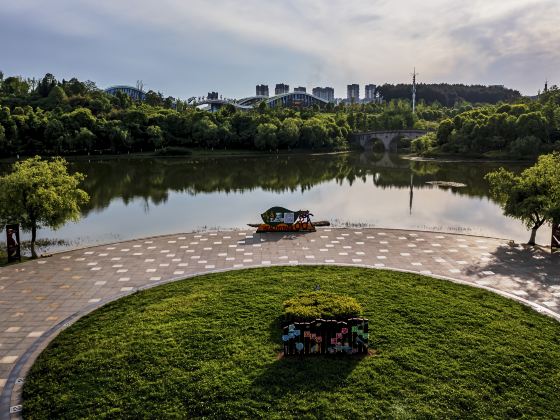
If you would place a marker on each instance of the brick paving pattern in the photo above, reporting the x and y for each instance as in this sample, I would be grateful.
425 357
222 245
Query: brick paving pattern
39 298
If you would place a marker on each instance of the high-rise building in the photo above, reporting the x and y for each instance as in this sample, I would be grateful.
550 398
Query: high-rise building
281 88
212 95
262 90
326 93
370 93
300 89
353 93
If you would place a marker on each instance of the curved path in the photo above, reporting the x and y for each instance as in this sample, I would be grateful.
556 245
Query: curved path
39 298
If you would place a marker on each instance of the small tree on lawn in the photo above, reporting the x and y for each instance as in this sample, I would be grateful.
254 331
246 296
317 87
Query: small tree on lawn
39 193
533 196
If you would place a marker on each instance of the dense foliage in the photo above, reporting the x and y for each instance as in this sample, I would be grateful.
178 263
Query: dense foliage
533 196
51 117
73 117
40 193
520 130
450 94
320 304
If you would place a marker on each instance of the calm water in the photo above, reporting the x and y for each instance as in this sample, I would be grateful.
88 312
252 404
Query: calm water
132 198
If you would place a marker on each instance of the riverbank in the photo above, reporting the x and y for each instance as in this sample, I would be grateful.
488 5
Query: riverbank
491 156
193 153
456 159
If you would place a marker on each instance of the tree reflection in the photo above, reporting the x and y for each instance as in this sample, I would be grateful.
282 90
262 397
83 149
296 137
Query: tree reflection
152 179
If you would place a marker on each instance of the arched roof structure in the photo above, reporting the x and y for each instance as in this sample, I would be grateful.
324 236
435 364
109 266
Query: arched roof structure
131 91
296 99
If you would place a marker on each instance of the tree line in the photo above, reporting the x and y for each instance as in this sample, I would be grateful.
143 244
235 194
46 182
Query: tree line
519 129
450 94
52 117
48 116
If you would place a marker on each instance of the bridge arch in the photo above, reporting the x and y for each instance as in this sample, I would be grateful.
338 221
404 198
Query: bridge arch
367 139
377 145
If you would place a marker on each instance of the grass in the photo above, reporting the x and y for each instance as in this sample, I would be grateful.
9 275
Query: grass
208 347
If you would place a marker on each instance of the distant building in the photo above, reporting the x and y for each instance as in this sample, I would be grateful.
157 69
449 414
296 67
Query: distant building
353 93
262 90
295 100
212 95
281 88
370 93
134 93
326 93
300 89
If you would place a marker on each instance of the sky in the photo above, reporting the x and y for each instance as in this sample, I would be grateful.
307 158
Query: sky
187 48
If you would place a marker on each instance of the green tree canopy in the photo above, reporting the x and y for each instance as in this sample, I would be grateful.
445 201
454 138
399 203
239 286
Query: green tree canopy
57 96
266 137
533 196
40 193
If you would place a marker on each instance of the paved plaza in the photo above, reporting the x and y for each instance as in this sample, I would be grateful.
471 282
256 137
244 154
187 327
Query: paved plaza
39 298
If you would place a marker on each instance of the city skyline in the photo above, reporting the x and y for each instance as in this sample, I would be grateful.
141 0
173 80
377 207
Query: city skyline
189 48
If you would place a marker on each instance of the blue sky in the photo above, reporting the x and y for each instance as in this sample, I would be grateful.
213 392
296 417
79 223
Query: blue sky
188 47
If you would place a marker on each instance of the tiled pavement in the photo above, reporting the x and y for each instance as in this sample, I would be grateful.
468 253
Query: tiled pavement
38 298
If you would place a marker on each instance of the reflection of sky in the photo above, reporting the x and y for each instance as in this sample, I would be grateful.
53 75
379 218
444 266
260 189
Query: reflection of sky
363 202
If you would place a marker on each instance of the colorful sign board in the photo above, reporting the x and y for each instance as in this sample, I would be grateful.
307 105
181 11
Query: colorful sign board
280 219
12 243
326 337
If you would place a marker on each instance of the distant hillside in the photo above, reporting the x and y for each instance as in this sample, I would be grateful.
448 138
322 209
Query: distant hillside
448 95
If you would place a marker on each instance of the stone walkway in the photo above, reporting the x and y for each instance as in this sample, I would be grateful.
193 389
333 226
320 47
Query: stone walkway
39 298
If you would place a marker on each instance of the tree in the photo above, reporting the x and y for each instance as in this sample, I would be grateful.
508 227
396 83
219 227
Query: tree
3 141
83 139
154 98
74 87
57 96
123 100
54 131
46 84
266 136
288 133
533 196
80 117
155 135
39 193
205 132
523 147
15 86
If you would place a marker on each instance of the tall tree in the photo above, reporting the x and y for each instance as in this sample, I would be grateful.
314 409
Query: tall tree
46 84
39 193
533 196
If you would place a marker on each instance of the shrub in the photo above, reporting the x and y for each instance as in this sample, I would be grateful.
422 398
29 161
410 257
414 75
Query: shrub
525 146
319 304
423 144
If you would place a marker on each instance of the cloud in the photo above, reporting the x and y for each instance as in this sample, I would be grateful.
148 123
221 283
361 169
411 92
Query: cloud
189 47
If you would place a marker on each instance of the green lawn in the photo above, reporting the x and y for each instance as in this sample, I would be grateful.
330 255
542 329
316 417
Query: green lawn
208 347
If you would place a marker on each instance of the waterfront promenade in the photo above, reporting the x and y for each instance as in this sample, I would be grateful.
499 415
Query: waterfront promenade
41 297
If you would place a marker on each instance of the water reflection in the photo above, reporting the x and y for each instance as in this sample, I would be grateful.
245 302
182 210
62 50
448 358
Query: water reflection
140 197
154 179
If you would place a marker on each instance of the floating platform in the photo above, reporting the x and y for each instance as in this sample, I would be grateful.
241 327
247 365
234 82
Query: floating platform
322 223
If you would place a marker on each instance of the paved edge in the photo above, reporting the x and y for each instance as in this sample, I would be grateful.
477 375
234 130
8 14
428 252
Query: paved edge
11 396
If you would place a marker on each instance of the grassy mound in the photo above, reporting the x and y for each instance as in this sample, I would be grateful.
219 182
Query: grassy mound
208 346
320 304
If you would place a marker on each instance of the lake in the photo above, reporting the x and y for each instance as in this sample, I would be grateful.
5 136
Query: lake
139 197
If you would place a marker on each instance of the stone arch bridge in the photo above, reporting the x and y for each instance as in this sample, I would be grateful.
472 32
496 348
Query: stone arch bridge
366 139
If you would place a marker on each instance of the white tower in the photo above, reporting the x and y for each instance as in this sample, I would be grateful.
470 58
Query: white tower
414 91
